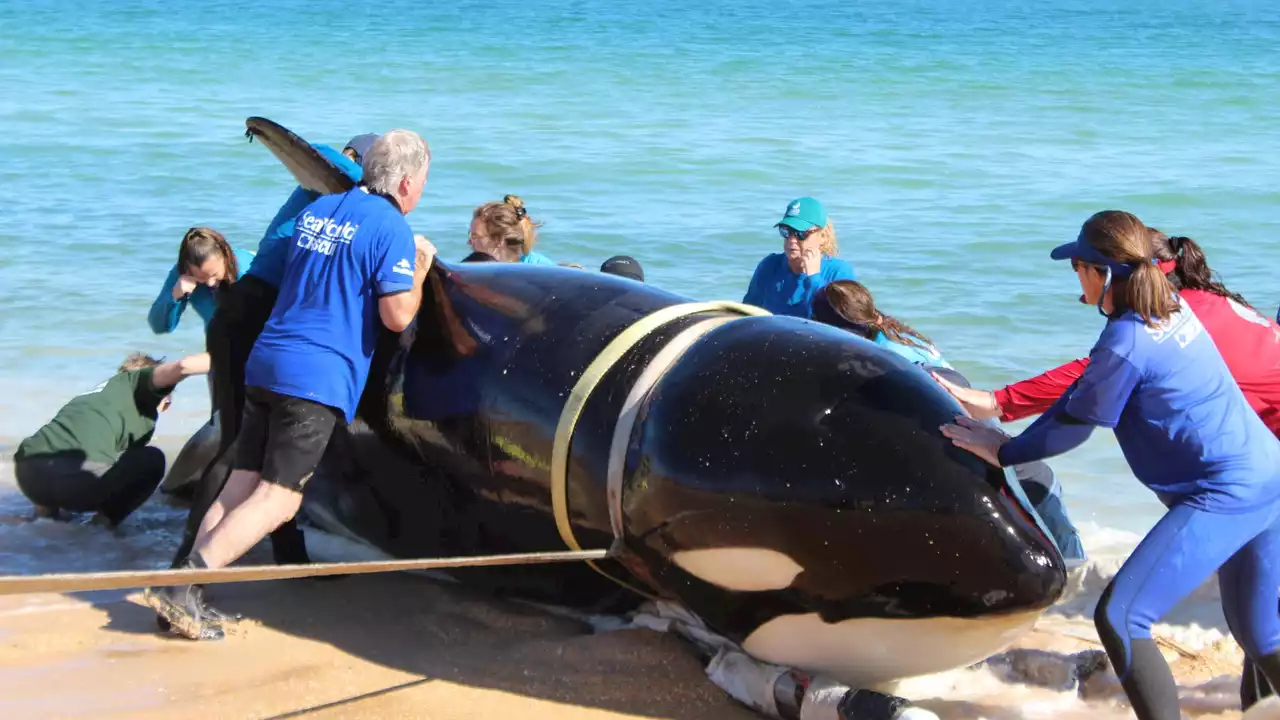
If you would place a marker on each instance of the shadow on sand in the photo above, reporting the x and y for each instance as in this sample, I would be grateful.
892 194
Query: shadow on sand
444 632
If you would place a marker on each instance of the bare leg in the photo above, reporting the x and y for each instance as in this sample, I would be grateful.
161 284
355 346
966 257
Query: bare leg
267 508
237 490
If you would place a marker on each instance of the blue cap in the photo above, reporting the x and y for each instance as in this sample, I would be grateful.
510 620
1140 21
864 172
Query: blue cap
1080 249
361 144
804 213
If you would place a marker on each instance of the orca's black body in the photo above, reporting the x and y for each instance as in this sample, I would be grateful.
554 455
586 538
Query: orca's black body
784 480
768 432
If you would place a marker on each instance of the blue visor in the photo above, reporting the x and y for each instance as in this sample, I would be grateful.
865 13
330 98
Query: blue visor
1080 249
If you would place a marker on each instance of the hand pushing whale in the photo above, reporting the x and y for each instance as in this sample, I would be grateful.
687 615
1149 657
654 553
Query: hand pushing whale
784 481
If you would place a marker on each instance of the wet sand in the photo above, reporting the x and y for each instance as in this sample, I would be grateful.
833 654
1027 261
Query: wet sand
403 646
389 646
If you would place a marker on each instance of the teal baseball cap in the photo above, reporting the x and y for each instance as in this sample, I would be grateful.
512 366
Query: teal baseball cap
804 213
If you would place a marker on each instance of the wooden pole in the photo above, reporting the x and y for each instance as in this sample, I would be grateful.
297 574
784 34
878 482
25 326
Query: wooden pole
117 580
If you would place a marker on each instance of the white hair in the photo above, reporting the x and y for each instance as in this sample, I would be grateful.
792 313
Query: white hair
396 155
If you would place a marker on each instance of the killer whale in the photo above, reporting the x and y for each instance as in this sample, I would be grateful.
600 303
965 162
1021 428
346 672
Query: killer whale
784 481
185 471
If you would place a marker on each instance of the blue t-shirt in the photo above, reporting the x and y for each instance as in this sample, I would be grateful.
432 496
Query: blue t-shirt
536 258
1183 424
782 292
913 353
273 248
166 312
348 250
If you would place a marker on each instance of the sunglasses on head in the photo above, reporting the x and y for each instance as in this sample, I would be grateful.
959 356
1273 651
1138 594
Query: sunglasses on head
787 232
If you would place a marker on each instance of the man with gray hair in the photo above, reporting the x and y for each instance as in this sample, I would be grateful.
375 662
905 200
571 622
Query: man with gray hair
353 261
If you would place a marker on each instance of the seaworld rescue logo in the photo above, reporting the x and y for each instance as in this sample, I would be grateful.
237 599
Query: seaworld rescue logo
322 234
1182 326
404 267
792 210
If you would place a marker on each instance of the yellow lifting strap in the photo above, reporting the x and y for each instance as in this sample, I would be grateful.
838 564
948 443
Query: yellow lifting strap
592 376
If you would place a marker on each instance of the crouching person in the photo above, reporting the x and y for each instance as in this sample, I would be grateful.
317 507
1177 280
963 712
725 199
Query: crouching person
353 262
94 455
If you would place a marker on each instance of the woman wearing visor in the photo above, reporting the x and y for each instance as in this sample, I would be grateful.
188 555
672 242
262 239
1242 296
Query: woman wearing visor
1187 432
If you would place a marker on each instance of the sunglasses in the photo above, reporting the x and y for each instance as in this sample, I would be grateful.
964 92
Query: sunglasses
787 232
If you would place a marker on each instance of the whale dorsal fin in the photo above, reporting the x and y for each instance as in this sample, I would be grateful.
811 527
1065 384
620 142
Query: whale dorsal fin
313 170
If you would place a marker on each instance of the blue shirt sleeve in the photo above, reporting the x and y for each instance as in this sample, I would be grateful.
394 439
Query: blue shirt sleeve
840 270
755 293
809 285
1053 433
1104 389
244 258
165 311
340 161
396 262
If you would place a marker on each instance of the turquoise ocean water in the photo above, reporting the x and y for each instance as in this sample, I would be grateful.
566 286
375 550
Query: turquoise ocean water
954 142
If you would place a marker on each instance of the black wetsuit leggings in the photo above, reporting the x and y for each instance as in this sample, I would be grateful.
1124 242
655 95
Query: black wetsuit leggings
242 313
67 481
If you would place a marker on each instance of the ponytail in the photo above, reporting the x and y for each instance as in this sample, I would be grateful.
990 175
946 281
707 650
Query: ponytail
527 227
1192 271
1149 293
1128 253
900 332
848 304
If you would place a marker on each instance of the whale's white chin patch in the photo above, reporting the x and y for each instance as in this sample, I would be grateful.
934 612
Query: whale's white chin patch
739 569
1266 709
872 652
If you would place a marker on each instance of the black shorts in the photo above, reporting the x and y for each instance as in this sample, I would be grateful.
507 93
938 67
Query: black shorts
283 437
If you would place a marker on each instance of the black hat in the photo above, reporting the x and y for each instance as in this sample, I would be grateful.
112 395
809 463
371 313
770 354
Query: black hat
623 266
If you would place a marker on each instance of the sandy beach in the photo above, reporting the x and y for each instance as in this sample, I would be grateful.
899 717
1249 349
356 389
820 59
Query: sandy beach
403 646
356 647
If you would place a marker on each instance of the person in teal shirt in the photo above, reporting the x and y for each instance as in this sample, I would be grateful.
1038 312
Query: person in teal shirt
505 232
206 266
784 283
206 270
536 258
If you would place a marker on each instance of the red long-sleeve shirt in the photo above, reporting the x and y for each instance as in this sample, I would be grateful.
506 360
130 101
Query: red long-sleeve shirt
1248 341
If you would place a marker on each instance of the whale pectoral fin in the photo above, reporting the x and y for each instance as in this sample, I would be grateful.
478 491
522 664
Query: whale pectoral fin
195 455
313 171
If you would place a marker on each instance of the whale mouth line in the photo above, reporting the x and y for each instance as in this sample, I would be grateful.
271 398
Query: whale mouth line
1011 490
